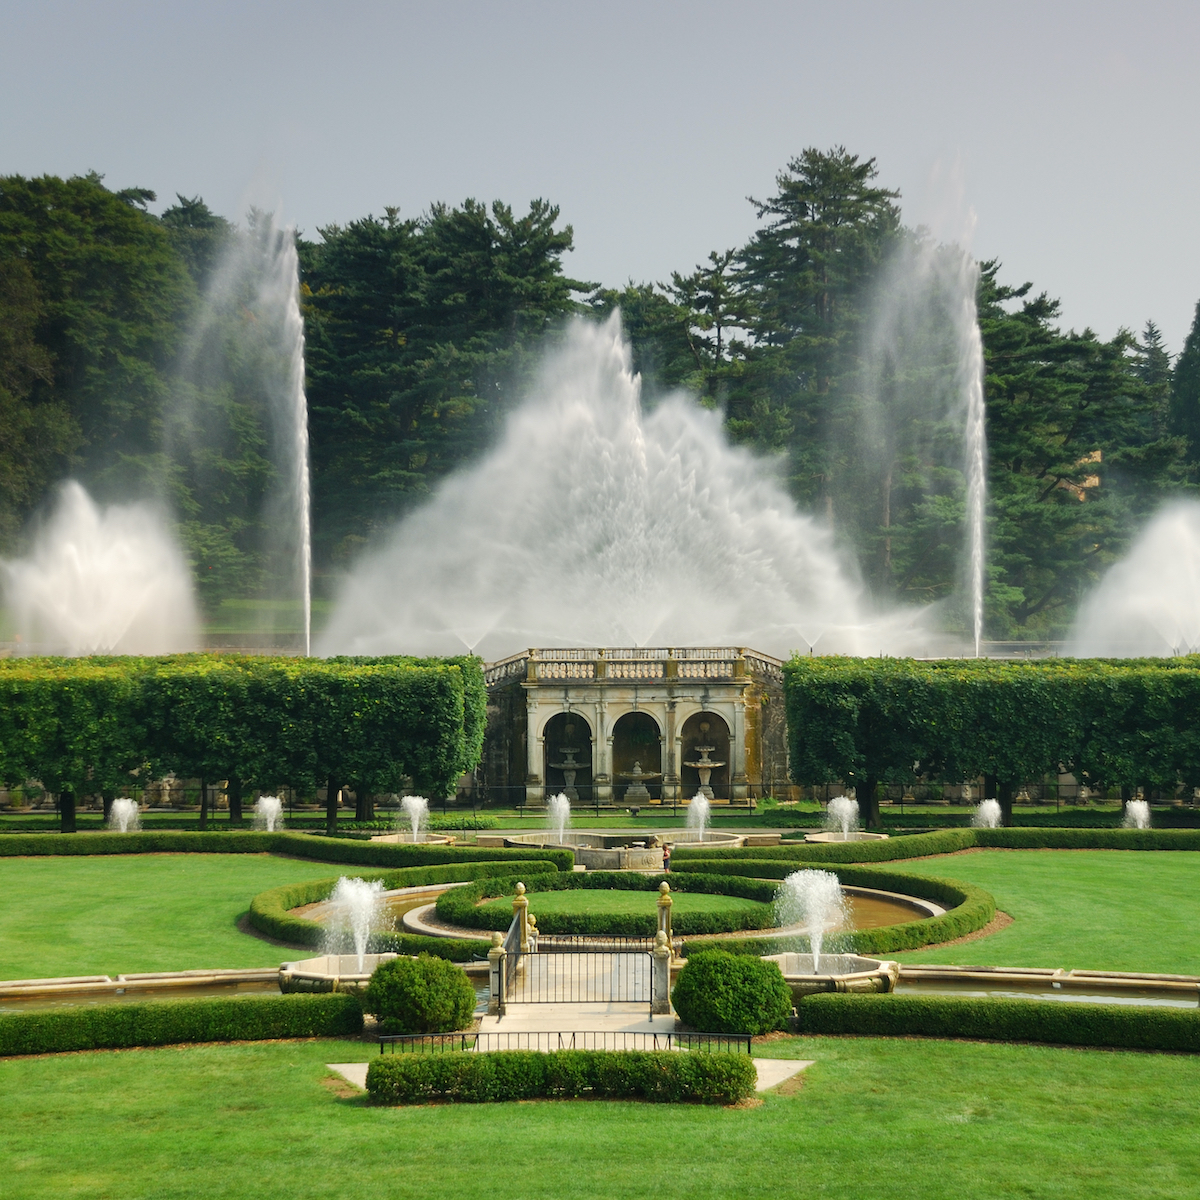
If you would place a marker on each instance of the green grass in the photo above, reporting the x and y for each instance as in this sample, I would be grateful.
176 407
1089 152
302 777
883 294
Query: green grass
141 912
1111 910
615 902
881 1118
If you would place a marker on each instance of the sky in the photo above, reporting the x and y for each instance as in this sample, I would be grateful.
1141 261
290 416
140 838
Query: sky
1060 138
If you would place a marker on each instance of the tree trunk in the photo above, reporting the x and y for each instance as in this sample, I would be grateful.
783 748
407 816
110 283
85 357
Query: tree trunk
869 802
360 803
1005 790
233 792
331 800
106 798
66 811
203 804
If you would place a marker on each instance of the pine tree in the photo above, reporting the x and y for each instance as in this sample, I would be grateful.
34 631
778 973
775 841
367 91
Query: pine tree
1185 394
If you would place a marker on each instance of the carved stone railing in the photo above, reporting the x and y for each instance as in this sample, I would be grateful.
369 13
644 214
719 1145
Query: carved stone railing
633 664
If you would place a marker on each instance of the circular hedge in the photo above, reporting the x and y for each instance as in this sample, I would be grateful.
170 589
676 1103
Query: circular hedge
420 995
718 992
461 906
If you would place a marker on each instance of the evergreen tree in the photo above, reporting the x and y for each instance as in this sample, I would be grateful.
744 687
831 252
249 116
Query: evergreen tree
1185 393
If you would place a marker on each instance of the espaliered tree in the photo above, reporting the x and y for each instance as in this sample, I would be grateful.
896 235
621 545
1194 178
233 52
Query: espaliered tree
1115 724
86 724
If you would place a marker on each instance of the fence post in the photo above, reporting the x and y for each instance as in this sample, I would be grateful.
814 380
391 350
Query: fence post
660 976
664 913
496 956
521 912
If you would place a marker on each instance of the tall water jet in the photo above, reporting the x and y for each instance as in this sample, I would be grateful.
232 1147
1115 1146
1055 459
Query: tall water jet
815 900
841 815
1137 815
242 383
987 815
416 811
268 813
697 817
102 581
123 816
971 366
558 815
1148 604
642 519
355 911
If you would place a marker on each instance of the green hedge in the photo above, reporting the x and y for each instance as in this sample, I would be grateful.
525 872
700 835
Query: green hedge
943 841
918 845
425 994
510 1075
969 908
298 845
167 1022
1111 723
718 992
1064 1023
458 907
270 910
88 724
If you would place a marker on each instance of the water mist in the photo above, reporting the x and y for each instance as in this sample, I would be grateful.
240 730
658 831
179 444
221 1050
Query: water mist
592 523
356 910
558 815
102 581
416 812
123 816
268 813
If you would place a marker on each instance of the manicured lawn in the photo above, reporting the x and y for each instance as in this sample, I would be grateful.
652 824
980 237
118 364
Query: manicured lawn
1112 910
141 912
642 903
889 1119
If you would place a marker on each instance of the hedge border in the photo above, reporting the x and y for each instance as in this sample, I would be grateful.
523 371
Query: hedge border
1056 1022
506 1075
250 841
948 841
458 907
173 1022
270 911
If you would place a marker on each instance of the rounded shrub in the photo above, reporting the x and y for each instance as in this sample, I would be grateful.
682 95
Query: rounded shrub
719 992
420 995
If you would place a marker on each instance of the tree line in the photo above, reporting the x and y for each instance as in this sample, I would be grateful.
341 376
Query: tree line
829 341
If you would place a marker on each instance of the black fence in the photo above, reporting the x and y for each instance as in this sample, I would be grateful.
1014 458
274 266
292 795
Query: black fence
547 1040
579 977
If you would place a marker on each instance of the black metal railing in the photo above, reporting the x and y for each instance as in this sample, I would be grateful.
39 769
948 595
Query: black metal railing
548 1040
580 977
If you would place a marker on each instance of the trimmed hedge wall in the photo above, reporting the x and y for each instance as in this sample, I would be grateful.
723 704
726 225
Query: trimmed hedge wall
298 845
667 1076
270 910
458 906
86 724
917 845
1110 723
945 841
970 908
168 1022
1118 1026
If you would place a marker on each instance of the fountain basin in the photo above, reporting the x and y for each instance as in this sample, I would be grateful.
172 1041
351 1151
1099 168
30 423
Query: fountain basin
855 835
838 973
615 851
330 973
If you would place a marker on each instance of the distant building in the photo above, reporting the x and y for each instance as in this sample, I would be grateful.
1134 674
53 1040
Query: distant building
600 722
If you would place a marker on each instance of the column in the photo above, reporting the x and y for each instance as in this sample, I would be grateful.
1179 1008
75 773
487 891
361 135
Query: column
738 789
534 753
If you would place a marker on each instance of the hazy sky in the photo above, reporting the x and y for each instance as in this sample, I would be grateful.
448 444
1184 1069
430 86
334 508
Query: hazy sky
1070 129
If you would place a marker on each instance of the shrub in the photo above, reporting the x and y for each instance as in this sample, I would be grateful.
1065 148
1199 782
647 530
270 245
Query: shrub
1057 1022
420 995
168 1022
718 992
668 1076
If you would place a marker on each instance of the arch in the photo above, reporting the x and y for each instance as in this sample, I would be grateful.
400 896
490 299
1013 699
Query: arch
716 735
637 738
562 733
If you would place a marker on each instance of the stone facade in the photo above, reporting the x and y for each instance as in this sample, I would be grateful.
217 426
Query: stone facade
592 719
